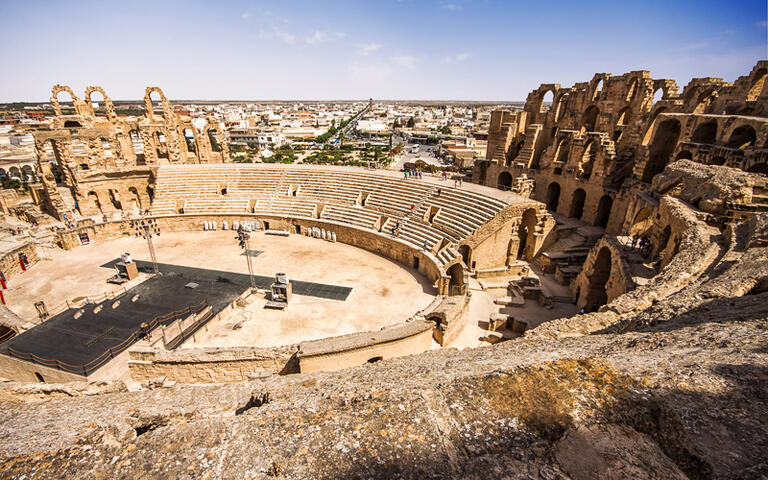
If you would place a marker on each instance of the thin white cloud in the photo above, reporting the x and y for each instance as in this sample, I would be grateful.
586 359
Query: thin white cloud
316 37
276 33
366 49
407 61
458 58
245 15
319 36
450 6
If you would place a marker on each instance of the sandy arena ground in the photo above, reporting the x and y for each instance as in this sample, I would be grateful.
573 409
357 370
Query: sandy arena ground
383 292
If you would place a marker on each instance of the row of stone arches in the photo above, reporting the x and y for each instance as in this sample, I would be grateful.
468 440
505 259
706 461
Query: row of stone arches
25 173
578 200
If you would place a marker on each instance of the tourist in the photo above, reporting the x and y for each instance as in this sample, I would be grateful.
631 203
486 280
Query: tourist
425 245
405 174
439 192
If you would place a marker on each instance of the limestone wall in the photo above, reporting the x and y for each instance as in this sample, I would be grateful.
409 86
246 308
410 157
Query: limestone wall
9 262
210 365
345 351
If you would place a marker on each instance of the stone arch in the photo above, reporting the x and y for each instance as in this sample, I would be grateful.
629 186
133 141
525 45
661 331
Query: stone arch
561 106
625 116
604 207
505 181
684 155
642 222
466 254
758 81
662 146
525 234
109 109
704 100
93 199
598 84
742 137
213 137
547 101
587 160
72 124
717 161
190 138
596 295
161 144
658 95
57 89
705 133
563 150
589 119
456 285
149 106
553 196
3 172
15 172
577 203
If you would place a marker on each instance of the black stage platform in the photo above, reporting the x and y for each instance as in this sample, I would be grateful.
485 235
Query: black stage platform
78 341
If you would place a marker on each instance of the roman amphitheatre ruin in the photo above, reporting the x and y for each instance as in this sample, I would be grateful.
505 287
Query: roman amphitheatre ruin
592 304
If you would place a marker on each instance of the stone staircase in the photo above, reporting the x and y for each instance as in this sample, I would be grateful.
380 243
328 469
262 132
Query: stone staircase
567 255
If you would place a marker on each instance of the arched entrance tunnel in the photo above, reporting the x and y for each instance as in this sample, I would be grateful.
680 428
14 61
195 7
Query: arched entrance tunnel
596 295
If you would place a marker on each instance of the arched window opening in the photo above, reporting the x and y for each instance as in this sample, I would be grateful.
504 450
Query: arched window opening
604 211
553 196
587 161
705 133
596 295
72 124
598 89
156 101
562 106
577 205
99 106
546 101
189 137
213 136
743 137
525 233
684 155
658 95
664 142
589 119
505 181
67 105
624 116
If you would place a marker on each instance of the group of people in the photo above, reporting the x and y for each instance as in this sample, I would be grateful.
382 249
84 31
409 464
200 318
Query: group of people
641 244
413 173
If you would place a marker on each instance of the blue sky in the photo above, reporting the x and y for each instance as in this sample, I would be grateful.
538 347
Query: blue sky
406 49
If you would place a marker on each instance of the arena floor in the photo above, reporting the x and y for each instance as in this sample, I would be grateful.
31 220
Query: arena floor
383 292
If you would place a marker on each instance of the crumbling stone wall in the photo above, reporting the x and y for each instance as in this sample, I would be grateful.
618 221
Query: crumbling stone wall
104 156
601 138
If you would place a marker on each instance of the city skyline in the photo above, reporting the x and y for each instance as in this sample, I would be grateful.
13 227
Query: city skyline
398 50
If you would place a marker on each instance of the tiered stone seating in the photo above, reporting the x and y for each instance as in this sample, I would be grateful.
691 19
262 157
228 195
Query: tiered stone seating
356 216
345 196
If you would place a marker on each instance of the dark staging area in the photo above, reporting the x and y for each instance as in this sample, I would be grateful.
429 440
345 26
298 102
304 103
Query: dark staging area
81 336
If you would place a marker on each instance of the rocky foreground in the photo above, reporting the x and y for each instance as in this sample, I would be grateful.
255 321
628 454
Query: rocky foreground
688 401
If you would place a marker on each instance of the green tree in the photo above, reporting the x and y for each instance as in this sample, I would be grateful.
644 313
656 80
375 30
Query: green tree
446 130
411 122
